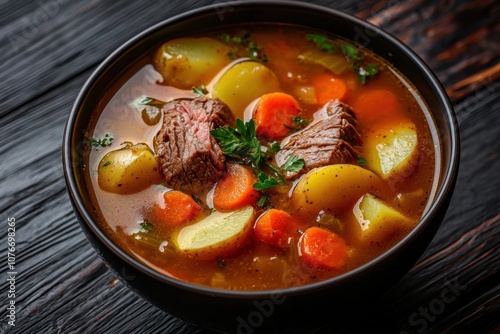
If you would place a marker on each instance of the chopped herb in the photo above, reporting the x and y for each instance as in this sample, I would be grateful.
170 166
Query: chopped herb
362 161
107 163
265 181
201 91
240 142
220 262
97 143
322 42
299 231
352 53
149 101
368 72
243 39
262 201
356 59
274 148
300 122
293 164
146 226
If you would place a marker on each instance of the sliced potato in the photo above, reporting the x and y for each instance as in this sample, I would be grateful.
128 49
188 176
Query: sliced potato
392 150
188 62
377 220
128 170
333 188
219 234
243 83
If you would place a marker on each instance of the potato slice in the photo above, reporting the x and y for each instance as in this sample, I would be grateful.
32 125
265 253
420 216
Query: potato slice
128 170
220 234
188 61
243 83
334 188
377 220
392 150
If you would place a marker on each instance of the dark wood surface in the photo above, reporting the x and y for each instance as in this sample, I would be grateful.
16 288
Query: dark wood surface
48 48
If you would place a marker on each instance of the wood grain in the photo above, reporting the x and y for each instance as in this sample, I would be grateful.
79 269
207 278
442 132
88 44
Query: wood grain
49 48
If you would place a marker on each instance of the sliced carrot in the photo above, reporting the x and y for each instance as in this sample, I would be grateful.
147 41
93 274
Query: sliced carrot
274 227
235 190
376 105
273 115
179 208
321 248
327 87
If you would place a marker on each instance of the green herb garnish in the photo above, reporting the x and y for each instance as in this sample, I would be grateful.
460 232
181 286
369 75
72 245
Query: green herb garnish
362 161
263 200
299 122
97 143
200 91
274 148
356 59
107 163
368 72
242 143
322 42
352 54
265 181
149 101
293 164
253 49
146 226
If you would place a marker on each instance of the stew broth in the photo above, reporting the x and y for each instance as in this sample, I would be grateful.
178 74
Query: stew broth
130 221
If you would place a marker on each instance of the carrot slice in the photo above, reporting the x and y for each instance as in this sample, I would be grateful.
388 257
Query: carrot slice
273 227
235 190
273 115
179 209
321 248
376 105
328 87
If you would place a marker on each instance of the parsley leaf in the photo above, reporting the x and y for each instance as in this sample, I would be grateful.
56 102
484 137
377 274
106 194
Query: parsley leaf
200 91
240 142
293 164
362 161
356 59
97 143
367 72
274 148
322 42
265 181
146 226
299 122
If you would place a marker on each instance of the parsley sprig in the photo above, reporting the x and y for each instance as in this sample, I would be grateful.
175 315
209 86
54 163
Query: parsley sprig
242 143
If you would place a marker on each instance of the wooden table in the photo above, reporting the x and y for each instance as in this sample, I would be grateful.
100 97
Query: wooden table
48 48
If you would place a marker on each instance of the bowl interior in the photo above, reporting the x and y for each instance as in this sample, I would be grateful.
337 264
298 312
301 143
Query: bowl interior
229 13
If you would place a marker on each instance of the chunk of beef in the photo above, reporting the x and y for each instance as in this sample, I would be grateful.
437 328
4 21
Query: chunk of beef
191 160
328 140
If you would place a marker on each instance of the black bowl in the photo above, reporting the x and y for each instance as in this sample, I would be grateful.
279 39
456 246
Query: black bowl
245 312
